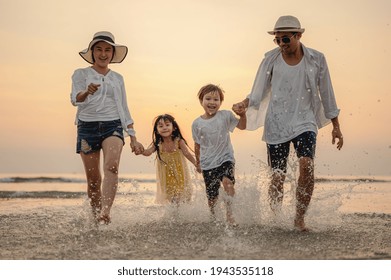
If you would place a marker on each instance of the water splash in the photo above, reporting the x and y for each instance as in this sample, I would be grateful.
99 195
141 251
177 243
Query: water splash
64 228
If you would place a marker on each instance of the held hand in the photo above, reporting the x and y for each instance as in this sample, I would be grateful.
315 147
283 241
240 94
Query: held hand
336 133
92 88
137 148
239 108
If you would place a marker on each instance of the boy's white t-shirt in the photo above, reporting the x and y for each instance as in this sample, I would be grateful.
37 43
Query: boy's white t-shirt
213 137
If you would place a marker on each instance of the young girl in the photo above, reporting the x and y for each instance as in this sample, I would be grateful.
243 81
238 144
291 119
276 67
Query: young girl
172 174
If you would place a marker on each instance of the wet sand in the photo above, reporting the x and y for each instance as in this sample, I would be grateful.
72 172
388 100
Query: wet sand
61 229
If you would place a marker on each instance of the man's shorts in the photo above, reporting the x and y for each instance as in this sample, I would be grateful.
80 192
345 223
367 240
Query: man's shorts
304 145
90 135
214 177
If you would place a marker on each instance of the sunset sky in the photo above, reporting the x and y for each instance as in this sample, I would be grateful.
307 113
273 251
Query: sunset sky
176 47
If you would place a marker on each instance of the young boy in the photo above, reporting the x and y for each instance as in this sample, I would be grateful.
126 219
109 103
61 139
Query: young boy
213 148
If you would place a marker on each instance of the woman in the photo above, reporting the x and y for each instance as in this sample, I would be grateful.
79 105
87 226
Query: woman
102 115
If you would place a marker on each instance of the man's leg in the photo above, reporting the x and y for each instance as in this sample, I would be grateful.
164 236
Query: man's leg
304 191
305 145
276 190
277 157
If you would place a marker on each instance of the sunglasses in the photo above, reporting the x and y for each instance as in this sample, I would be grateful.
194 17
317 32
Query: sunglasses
285 40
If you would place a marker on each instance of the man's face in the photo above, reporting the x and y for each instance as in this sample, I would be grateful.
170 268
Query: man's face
287 41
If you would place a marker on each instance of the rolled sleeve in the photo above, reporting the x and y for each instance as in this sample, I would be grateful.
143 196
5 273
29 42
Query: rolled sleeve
327 92
78 85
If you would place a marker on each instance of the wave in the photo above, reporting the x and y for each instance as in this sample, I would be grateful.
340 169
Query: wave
42 194
356 180
151 179
46 194
44 179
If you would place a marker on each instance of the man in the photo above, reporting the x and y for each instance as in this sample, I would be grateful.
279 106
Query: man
292 97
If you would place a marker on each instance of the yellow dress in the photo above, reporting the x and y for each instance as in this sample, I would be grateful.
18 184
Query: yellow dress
172 176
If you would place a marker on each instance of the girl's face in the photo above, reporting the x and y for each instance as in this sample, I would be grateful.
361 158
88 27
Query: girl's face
165 128
103 54
211 103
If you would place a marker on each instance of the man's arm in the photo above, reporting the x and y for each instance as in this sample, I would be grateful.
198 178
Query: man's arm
336 133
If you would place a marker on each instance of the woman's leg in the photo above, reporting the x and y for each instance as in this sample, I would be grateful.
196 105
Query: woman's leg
112 148
91 168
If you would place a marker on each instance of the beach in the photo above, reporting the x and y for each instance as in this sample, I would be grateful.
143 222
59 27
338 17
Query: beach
48 218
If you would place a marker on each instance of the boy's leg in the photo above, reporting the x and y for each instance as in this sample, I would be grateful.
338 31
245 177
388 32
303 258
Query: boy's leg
230 190
212 205
212 184
228 180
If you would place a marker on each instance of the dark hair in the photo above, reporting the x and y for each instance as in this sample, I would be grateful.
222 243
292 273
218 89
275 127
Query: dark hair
210 88
157 139
92 51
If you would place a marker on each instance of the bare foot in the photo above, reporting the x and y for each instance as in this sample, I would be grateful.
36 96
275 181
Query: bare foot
276 208
104 219
231 221
95 212
300 225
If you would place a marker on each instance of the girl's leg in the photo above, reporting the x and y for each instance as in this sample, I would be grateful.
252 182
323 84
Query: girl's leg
91 168
112 148
230 190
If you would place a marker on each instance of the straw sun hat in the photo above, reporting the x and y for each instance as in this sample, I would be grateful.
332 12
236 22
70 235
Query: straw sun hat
120 50
287 24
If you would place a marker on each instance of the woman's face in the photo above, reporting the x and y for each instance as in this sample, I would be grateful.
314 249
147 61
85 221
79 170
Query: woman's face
103 54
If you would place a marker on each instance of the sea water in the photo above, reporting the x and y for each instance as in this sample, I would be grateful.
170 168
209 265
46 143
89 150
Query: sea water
49 217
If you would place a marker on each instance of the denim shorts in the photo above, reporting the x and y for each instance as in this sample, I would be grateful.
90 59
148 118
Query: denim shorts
90 135
214 177
304 145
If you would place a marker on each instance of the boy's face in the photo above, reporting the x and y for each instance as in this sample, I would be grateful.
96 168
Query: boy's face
211 103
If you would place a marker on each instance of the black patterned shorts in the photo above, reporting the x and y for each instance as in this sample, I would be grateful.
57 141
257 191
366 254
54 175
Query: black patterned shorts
214 177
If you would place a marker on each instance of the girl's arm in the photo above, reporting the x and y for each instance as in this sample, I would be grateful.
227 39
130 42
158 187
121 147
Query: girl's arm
186 152
147 152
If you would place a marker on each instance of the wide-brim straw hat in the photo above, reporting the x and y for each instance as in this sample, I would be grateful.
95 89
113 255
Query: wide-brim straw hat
120 50
287 24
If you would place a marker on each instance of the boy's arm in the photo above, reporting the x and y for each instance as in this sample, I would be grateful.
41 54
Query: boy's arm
197 156
242 121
